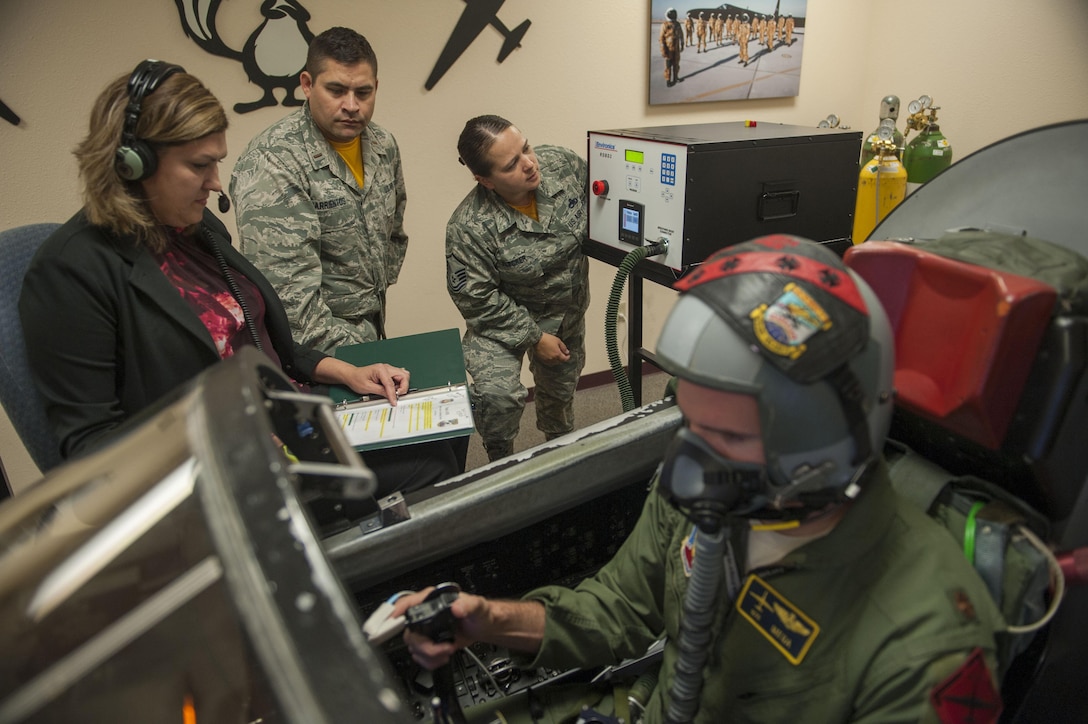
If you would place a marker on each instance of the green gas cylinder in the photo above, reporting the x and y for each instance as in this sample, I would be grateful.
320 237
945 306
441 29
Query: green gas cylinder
926 156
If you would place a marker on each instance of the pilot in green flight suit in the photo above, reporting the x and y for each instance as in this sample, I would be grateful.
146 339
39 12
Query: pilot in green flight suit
789 580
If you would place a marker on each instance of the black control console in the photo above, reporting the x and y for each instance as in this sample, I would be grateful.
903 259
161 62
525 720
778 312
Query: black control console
563 549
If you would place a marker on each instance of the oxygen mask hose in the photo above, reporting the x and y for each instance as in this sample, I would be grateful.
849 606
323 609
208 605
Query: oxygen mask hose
696 624
619 374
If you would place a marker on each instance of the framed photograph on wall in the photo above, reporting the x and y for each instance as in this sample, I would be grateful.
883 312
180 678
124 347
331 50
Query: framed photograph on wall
728 52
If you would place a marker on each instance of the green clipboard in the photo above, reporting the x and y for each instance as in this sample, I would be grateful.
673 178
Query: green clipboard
433 358
438 406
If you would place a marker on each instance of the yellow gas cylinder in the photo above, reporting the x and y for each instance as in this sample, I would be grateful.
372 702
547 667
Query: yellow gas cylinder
882 185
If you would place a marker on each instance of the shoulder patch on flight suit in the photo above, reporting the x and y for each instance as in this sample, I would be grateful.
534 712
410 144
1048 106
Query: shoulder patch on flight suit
687 551
783 624
968 694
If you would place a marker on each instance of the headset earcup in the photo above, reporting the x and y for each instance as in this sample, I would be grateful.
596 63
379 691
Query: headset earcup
135 161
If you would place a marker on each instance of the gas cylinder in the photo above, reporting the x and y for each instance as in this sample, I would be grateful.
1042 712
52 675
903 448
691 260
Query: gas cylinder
882 185
889 115
868 149
926 156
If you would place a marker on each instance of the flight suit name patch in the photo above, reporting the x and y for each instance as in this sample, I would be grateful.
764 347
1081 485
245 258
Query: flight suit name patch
787 627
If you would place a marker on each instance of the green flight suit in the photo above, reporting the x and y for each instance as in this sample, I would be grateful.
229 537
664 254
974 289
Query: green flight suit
858 626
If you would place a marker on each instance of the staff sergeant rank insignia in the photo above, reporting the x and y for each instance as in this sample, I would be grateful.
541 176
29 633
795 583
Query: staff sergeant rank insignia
784 325
456 274
782 623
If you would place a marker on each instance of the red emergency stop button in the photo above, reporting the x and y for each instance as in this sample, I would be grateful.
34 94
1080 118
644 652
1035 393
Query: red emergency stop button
599 187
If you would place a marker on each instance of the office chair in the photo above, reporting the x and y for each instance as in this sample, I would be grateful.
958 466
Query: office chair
18 394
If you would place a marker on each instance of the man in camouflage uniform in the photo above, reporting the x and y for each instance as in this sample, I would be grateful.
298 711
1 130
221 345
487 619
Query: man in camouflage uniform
672 43
320 200
516 271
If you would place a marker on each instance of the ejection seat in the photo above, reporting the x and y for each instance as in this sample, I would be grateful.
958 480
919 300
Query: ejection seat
992 385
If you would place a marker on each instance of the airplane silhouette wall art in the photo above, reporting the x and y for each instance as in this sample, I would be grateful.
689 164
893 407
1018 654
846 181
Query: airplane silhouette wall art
275 52
9 115
477 15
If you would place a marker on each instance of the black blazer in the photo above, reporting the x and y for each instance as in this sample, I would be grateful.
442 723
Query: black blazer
107 334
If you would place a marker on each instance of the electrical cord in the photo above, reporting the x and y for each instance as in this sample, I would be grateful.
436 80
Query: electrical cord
486 671
232 284
1059 584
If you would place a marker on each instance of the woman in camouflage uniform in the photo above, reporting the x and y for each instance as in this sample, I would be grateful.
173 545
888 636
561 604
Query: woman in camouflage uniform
516 271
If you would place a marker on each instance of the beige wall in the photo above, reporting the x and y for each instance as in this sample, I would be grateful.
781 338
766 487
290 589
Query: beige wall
583 67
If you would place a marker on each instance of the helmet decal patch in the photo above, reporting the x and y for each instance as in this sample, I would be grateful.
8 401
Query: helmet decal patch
787 627
784 326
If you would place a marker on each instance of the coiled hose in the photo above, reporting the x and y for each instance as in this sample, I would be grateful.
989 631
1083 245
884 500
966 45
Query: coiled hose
700 604
619 374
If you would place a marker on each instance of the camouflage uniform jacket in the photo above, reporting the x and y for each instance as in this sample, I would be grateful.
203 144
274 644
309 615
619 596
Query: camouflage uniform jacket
330 248
511 277
861 625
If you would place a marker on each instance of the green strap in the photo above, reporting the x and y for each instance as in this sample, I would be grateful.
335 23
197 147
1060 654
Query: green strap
969 529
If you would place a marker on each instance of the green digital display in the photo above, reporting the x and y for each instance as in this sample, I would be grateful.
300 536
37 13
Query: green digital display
633 156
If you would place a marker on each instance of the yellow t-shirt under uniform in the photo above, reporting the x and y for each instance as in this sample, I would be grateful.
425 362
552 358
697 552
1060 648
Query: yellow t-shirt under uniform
528 209
352 153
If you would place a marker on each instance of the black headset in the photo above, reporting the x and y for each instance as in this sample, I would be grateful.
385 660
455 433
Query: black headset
135 159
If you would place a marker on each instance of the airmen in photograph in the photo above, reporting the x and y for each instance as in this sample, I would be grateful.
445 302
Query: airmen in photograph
689 30
700 34
672 44
743 31
789 30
